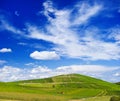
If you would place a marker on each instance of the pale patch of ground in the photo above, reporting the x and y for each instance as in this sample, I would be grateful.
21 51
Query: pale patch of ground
8 100
102 98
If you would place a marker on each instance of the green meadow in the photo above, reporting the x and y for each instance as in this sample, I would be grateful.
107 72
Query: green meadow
72 87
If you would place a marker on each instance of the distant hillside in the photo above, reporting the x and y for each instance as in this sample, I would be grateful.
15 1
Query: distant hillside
75 81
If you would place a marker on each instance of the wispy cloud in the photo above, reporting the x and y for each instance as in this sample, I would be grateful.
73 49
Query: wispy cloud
5 50
85 68
2 62
64 30
22 44
4 25
70 42
30 64
115 33
60 27
32 45
85 12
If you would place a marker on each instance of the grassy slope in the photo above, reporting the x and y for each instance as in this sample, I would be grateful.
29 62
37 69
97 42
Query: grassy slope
59 88
74 80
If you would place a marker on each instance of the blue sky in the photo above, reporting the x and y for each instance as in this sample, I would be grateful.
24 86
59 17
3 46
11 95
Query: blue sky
44 38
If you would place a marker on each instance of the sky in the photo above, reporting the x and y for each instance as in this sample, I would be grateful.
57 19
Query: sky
44 38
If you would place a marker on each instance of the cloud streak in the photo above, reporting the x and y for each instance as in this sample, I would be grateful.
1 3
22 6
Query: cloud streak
4 25
2 62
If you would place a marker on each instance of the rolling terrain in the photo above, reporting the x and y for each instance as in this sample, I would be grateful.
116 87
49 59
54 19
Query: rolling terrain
71 87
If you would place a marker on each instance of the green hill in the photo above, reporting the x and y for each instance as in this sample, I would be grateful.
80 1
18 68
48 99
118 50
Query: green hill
73 81
59 88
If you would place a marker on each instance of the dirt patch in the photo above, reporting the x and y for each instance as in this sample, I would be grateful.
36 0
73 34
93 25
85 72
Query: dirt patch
75 100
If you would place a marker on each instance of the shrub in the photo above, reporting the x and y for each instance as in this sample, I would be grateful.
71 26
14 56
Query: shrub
115 98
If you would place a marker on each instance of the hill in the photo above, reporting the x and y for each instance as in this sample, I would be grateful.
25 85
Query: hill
59 88
74 81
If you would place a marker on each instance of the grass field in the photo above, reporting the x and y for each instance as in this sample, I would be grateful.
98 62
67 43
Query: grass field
59 88
101 98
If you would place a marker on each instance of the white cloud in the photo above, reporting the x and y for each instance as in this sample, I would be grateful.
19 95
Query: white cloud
22 43
117 74
44 55
71 43
60 27
68 41
85 11
85 68
6 26
69 38
9 73
48 6
5 50
40 69
29 64
115 33
32 45
2 62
